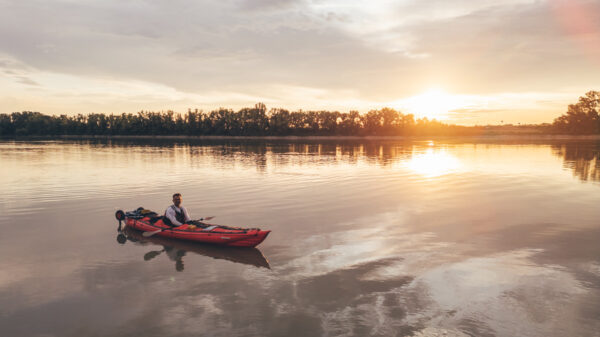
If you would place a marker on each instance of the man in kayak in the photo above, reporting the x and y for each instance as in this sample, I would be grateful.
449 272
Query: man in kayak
176 215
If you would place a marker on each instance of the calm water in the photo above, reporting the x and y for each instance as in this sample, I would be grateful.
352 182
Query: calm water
369 239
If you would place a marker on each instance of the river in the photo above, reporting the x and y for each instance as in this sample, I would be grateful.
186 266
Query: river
369 238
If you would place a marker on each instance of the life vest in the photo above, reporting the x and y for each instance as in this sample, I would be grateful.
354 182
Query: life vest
179 216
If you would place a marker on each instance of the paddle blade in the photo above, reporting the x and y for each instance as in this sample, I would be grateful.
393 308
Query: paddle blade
209 217
149 234
150 255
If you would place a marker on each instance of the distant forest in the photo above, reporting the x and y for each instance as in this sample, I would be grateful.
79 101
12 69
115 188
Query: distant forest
580 118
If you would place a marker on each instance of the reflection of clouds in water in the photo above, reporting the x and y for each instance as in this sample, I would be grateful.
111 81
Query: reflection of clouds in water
504 294
193 314
396 284
380 237
364 284
594 268
480 278
433 332
355 280
385 237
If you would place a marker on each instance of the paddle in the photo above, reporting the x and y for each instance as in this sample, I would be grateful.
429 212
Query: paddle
152 254
149 234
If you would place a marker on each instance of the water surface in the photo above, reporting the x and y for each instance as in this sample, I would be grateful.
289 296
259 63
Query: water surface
369 238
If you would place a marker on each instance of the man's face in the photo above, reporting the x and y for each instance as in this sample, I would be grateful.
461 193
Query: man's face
177 200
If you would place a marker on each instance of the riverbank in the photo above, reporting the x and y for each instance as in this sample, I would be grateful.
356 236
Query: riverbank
495 137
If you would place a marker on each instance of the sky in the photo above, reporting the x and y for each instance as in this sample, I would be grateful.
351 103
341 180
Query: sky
460 61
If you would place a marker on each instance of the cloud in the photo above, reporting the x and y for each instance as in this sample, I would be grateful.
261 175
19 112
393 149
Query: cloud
255 5
379 51
208 47
511 48
16 71
27 81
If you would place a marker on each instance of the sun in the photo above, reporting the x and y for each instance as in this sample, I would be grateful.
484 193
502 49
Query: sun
433 103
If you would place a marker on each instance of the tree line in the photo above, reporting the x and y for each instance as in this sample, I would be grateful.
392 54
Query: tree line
581 118
256 121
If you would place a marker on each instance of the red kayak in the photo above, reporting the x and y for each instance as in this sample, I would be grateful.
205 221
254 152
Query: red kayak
244 255
148 221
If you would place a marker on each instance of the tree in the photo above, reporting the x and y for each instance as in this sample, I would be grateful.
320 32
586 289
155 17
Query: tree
6 126
582 117
350 123
328 121
279 121
372 122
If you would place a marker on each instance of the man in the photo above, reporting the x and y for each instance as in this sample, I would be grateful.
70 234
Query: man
176 214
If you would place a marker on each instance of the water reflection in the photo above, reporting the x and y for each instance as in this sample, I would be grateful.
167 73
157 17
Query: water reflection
582 158
433 163
428 158
369 238
176 250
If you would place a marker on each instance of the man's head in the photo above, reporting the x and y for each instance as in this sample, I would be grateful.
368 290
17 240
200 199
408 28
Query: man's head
177 199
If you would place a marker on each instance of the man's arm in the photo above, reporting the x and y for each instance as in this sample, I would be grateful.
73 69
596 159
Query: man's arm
170 213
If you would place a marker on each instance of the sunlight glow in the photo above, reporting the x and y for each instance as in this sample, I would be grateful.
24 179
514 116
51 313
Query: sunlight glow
433 163
434 103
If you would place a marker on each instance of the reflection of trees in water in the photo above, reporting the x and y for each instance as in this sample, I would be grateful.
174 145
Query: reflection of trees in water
261 153
582 158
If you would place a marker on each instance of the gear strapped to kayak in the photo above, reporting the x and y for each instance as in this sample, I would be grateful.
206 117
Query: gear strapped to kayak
196 230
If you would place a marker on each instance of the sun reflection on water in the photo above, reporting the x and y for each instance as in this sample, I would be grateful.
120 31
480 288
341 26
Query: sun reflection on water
433 163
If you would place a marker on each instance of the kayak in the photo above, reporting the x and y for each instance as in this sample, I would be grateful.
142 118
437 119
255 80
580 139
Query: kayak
244 255
148 221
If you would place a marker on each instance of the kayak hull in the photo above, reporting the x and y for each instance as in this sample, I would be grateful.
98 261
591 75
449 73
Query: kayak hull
236 237
244 255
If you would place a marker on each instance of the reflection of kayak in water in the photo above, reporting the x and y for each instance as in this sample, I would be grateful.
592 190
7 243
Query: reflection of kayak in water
176 249
152 223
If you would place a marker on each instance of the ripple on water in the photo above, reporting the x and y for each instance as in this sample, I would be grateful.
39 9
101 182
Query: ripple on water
368 239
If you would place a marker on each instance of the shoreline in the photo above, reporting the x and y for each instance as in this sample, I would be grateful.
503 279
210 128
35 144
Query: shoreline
498 137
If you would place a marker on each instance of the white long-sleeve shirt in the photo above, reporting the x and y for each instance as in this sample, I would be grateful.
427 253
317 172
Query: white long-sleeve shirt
170 214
